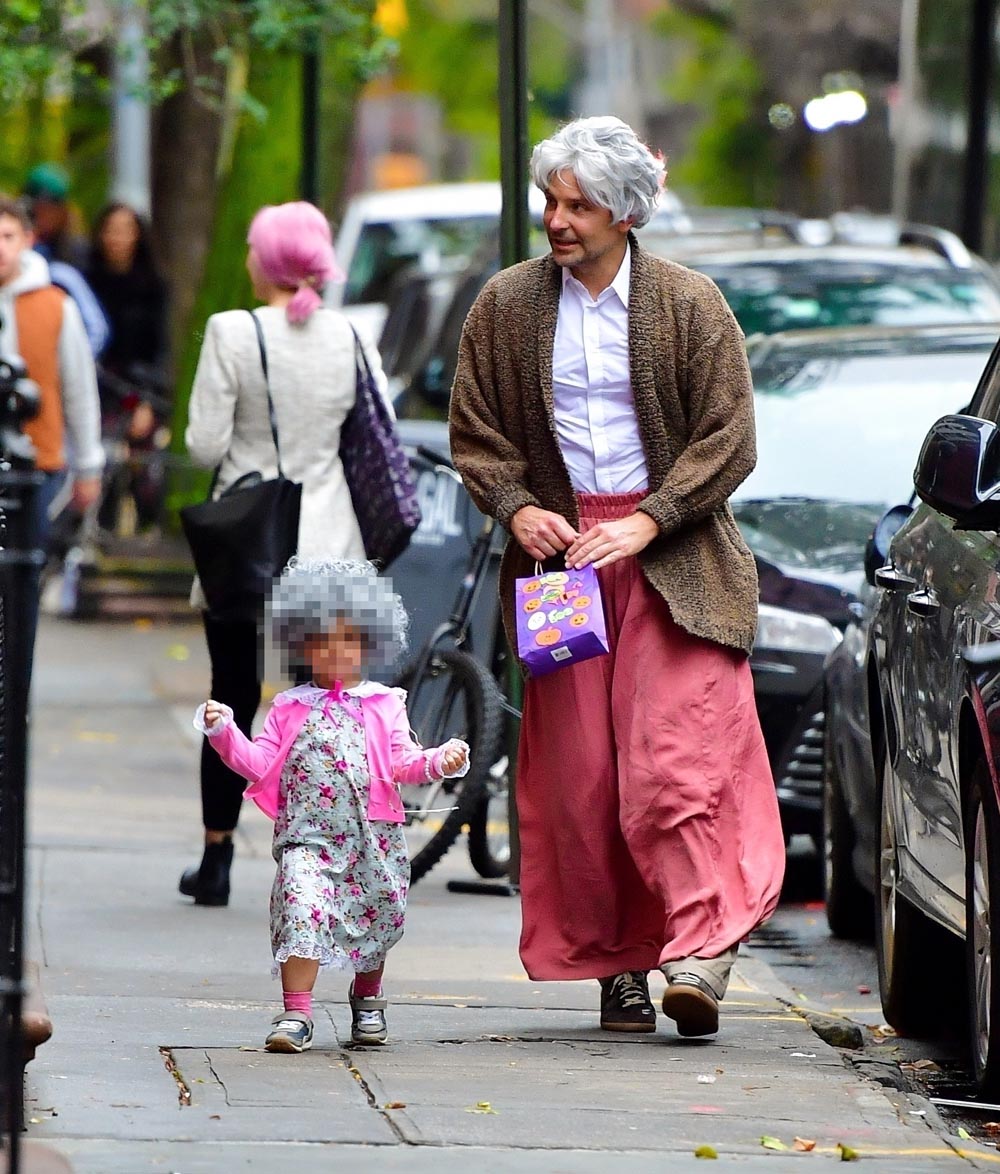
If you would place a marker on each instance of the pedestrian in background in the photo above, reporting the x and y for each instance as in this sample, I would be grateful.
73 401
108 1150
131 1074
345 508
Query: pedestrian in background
311 371
602 412
39 323
325 769
57 234
132 376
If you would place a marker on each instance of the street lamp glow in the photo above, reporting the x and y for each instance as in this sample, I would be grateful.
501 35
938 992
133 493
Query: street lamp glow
838 108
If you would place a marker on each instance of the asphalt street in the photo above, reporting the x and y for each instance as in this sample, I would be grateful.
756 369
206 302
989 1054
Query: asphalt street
160 1008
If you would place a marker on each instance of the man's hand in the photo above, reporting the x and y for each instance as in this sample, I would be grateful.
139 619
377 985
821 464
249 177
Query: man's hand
86 490
541 533
214 713
143 422
607 542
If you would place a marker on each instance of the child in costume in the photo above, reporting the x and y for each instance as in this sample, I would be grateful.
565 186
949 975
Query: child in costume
325 768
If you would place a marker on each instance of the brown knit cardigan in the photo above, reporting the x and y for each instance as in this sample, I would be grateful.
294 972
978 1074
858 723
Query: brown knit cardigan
694 404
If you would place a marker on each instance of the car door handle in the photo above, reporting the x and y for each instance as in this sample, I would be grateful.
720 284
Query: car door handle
892 580
923 603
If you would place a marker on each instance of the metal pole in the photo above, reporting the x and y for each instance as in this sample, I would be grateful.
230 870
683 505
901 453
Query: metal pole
514 229
16 581
130 134
309 174
977 145
905 109
513 68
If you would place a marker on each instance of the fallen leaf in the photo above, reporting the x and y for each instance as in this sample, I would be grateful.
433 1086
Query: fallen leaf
772 1143
883 1031
482 1107
395 1105
847 1154
964 1134
926 1066
707 1079
805 1144
215 1117
705 1151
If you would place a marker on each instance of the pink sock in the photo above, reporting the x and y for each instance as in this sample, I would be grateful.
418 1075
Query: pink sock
368 986
298 1001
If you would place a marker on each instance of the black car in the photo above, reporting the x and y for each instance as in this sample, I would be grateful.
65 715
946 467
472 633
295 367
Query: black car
933 674
839 414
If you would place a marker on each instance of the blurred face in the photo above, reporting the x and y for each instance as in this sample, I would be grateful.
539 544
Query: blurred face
119 239
580 233
337 655
14 239
50 217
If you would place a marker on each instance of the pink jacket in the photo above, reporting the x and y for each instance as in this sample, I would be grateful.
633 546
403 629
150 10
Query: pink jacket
393 755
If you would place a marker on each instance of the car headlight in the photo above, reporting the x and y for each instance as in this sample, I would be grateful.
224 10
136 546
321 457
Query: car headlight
779 630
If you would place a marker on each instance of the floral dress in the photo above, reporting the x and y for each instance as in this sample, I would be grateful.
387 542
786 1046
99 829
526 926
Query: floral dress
339 895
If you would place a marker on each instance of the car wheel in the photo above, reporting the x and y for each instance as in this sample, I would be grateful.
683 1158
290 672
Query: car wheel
850 908
982 946
915 956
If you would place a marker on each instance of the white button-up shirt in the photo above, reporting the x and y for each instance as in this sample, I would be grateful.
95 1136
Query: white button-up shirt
592 388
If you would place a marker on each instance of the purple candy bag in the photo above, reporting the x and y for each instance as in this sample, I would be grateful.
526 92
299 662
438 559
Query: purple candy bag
560 619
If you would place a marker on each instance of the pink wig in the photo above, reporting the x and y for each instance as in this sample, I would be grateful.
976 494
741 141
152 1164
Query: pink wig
293 248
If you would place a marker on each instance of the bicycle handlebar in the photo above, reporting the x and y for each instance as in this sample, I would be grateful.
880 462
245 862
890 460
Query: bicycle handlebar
435 458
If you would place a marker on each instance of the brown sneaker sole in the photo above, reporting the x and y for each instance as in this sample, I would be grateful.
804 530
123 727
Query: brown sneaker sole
630 1028
694 1012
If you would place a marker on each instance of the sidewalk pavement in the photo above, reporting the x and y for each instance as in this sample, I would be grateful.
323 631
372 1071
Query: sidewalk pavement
160 1007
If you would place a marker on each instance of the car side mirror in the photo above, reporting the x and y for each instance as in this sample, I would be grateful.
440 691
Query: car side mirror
957 472
877 546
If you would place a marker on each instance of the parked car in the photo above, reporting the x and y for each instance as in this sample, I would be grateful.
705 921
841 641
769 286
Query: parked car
934 713
781 273
839 414
383 233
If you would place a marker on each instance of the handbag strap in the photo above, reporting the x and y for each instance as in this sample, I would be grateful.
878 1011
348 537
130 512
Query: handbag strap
272 420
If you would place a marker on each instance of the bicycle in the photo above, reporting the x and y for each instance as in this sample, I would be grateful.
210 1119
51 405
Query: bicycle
451 693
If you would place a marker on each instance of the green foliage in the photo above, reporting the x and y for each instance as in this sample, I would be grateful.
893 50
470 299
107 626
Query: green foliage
451 51
728 159
39 37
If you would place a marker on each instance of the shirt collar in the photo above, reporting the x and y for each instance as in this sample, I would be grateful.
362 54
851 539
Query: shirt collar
620 285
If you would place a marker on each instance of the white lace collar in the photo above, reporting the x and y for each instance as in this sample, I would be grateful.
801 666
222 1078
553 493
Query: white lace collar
312 694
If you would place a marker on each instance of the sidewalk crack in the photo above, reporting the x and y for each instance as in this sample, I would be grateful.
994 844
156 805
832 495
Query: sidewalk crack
183 1092
218 1079
372 1099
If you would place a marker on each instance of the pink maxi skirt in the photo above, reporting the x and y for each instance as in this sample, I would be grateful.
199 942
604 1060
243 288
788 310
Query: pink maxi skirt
648 819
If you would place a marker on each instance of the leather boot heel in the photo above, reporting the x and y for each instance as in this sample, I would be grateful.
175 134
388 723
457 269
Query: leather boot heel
209 882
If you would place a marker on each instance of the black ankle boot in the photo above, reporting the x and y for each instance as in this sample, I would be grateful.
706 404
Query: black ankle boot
209 882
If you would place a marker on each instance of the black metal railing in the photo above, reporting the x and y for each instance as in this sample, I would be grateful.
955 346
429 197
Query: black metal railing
18 585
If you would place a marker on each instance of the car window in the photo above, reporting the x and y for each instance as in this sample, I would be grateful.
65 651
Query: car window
986 401
384 249
768 298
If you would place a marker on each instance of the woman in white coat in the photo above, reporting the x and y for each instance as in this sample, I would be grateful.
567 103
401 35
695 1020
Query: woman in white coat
311 372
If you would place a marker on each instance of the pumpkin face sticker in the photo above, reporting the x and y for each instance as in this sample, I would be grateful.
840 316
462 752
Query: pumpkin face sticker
579 619
532 605
548 637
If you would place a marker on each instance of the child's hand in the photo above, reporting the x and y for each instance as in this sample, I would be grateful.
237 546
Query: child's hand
453 759
214 713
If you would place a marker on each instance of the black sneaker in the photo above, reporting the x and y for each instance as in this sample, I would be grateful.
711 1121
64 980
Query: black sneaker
625 1003
368 1025
692 1004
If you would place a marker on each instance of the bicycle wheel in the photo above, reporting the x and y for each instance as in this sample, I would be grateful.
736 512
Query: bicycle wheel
454 697
489 828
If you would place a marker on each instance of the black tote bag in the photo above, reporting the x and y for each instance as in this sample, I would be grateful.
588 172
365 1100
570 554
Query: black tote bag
241 541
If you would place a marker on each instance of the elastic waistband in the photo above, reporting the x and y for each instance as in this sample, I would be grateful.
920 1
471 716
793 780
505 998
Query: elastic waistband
606 506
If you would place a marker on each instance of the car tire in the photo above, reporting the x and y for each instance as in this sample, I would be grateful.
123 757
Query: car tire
916 957
982 946
850 907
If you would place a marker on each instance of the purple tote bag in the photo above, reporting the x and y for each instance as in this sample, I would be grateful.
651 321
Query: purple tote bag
560 619
377 471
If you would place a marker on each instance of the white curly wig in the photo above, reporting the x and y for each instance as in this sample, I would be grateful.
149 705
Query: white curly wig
612 166
313 594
